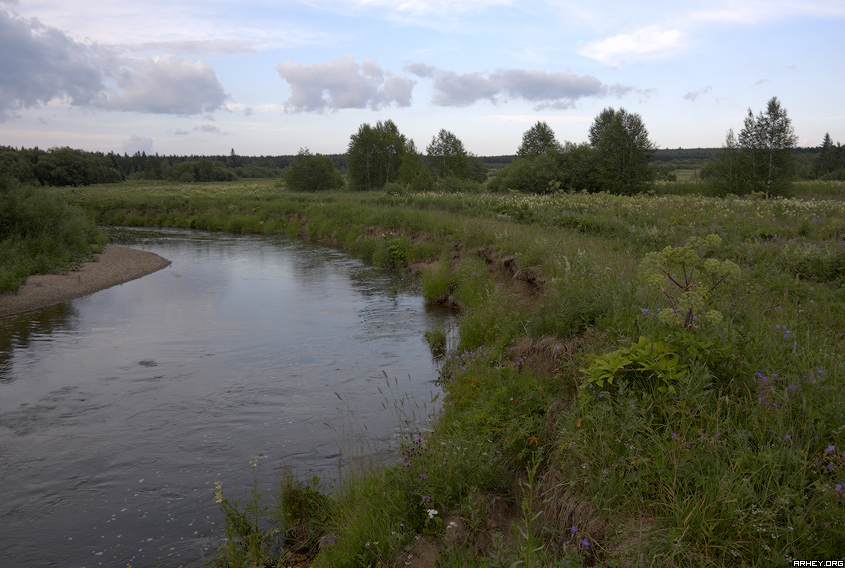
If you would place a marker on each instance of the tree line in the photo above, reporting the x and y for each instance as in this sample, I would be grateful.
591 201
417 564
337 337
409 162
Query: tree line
619 157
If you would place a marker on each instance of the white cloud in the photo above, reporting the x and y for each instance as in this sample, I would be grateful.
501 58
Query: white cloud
137 143
693 95
208 128
39 64
166 86
556 90
418 12
646 43
751 12
534 118
342 84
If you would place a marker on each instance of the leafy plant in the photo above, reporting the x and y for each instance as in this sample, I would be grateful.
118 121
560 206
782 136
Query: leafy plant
649 366
245 542
687 279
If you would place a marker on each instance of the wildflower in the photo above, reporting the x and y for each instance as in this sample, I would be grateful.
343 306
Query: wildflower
253 461
432 513
218 491
787 438
573 530
830 449
838 488
830 467
585 543
674 436
426 498
423 476
419 440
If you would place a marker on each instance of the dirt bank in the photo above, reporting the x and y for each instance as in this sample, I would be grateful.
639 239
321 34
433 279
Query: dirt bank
115 265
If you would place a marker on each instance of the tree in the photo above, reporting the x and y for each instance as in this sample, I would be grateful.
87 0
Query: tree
624 151
413 171
374 155
309 172
538 141
767 141
827 160
448 157
725 172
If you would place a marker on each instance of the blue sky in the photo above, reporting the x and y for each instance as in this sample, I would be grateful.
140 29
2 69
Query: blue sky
265 77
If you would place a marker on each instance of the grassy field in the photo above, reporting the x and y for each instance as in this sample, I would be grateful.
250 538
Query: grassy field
611 401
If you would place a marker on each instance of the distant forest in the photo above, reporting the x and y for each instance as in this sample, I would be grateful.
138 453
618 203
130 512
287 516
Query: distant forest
68 167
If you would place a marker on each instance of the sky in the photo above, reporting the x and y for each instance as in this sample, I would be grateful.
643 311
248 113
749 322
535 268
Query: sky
264 77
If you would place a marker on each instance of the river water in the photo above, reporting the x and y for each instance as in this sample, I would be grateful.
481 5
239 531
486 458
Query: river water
119 411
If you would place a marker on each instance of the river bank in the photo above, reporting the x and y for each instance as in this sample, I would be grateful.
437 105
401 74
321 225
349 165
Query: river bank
645 438
116 265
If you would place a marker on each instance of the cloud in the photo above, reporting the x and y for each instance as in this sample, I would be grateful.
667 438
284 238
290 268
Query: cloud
209 128
340 84
692 95
137 143
421 70
181 47
761 81
40 63
180 132
646 43
558 91
166 86
534 118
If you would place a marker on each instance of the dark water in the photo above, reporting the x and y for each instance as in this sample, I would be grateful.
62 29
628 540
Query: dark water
118 411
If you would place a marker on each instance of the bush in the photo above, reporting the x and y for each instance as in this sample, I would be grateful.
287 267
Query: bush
40 232
309 172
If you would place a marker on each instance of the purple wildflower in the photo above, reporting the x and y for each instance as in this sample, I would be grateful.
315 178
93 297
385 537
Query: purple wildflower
787 438
830 449
426 498
585 543
422 476
573 530
830 467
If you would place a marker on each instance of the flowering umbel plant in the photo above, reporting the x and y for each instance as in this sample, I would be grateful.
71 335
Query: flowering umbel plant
687 279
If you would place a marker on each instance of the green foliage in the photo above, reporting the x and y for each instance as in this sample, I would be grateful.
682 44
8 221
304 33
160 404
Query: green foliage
435 280
309 172
58 167
448 157
40 233
624 151
537 141
569 167
413 171
686 279
304 511
767 141
649 368
436 339
375 156
245 542
202 170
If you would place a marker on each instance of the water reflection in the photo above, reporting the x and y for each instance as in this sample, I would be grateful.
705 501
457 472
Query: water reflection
17 330
123 408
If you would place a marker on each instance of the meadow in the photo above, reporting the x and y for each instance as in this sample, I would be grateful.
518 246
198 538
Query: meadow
638 380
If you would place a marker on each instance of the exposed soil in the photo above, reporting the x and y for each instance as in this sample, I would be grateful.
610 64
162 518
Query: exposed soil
115 265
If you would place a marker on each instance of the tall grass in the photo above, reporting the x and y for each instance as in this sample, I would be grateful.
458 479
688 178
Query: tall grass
40 233
739 464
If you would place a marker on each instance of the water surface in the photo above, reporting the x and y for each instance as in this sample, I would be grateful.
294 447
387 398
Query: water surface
118 411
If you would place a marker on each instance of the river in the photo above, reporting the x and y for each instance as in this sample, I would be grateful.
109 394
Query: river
119 410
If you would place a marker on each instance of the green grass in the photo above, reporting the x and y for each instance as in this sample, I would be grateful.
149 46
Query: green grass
741 463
